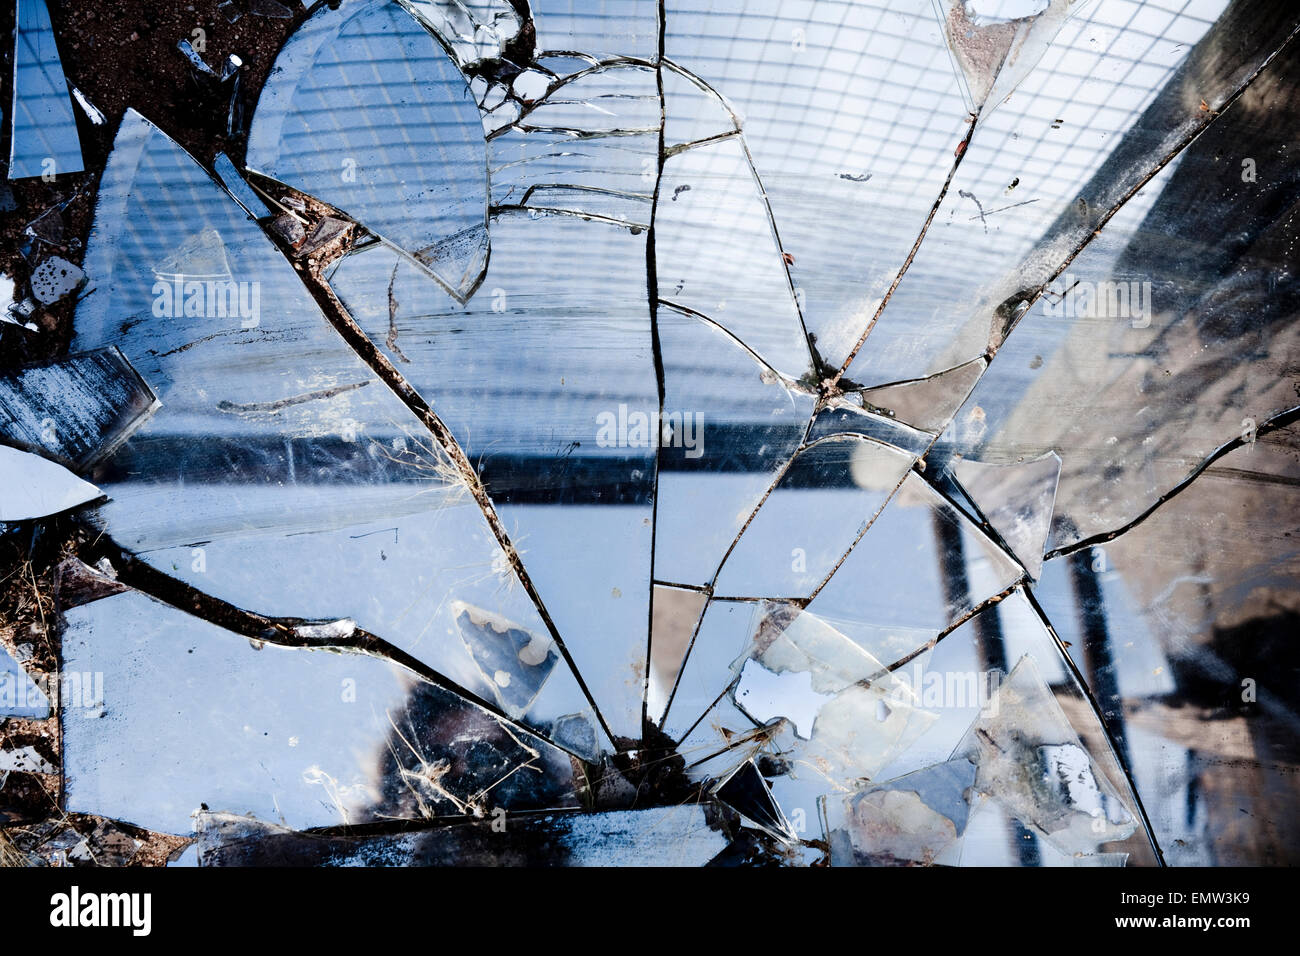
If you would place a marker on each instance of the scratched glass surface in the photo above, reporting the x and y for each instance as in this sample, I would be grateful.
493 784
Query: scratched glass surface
714 433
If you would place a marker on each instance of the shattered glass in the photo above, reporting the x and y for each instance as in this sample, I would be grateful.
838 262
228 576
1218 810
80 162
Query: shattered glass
646 433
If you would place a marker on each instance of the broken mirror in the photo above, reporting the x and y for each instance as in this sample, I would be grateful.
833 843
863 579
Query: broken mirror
812 434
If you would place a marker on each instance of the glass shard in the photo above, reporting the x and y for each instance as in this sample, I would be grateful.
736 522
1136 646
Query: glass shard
693 112
565 446
44 140
19 694
322 126
238 187
825 712
746 792
1172 354
677 614
54 279
913 819
733 423
1017 501
77 583
709 199
927 403
474 30
998 43
1015 212
920 567
76 410
721 638
840 416
1182 628
513 661
307 462
587 149
34 487
1031 760
618 98
308 737
851 177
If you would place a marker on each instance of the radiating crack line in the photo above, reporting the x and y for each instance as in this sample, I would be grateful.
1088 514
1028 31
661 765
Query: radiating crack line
962 149
933 642
366 350
652 301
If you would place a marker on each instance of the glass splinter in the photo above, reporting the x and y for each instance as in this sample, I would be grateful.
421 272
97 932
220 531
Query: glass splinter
44 139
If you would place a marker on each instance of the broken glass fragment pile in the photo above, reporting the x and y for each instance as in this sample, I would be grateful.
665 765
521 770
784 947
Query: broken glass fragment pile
697 433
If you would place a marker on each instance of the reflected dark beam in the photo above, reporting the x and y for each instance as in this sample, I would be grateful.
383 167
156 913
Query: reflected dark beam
1098 660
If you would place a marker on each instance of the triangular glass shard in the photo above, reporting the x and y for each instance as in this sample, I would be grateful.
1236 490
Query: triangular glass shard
304 736
35 487
921 565
732 423
926 403
1017 500
709 201
676 616
997 42
515 662
324 124
830 494
77 583
77 409
19 695
722 636
44 139
746 792
565 444
292 454
1032 761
